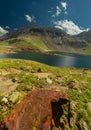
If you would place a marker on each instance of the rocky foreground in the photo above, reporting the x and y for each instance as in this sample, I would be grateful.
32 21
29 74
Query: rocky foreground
35 96
39 110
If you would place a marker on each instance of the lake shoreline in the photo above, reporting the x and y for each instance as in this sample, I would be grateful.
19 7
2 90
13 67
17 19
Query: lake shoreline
68 60
11 49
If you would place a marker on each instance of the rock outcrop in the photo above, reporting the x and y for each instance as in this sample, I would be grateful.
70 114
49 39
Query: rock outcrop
39 110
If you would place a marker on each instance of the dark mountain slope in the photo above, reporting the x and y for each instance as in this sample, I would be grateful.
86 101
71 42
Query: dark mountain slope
86 35
43 39
35 30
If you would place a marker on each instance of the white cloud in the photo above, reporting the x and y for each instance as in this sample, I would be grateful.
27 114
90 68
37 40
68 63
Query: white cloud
58 11
69 27
53 16
29 18
50 11
64 5
7 27
66 12
2 31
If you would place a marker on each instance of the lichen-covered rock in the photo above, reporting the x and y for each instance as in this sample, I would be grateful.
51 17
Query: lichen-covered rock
15 97
72 114
89 106
4 100
82 125
39 110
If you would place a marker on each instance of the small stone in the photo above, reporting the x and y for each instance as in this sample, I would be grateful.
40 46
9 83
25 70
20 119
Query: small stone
4 99
14 80
49 81
39 70
14 97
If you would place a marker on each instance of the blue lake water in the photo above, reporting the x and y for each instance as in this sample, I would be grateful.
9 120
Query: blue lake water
65 60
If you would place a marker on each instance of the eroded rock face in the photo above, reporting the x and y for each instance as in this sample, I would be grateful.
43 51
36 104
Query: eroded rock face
39 110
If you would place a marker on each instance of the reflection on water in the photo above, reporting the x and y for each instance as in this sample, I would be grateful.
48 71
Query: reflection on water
2 56
78 61
67 61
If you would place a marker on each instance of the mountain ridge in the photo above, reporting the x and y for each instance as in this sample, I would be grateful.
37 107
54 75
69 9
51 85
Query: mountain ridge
33 29
86 35
45 39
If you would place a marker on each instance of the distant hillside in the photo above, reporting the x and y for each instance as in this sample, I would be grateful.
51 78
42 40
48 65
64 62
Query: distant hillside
35 30
35 38
86 35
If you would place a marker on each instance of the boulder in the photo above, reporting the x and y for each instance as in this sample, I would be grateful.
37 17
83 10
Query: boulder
39 110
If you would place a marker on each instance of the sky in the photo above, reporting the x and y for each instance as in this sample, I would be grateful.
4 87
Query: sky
72 16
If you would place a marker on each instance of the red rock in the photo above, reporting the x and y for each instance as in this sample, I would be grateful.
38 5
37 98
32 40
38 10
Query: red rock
36 111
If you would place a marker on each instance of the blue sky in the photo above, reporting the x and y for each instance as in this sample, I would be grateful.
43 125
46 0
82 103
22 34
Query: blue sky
73 16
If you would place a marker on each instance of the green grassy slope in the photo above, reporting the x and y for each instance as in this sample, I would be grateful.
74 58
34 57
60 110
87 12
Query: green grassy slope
44 44
25 42
25 76
35 38
34 42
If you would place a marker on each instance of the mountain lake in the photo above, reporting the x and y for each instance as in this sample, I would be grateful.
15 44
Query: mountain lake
64 60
